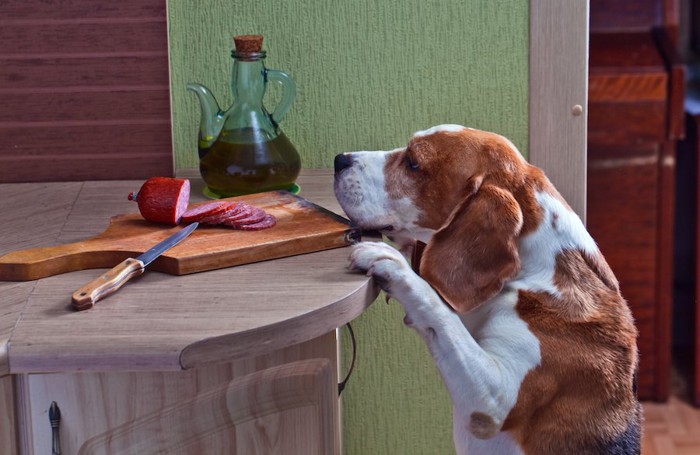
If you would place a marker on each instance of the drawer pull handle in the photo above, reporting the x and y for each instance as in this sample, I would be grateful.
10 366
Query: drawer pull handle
55 419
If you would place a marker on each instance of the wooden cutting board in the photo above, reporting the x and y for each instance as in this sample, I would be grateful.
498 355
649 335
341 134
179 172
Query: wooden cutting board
302 227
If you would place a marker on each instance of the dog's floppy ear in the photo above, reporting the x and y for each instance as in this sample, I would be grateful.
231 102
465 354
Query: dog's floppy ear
475 252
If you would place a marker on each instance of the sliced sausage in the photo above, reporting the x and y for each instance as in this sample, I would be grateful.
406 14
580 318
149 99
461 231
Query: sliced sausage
255 215
244 212
203 211
231 209
267 222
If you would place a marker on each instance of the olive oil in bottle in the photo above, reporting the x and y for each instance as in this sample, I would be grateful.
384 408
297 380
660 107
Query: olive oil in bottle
232 168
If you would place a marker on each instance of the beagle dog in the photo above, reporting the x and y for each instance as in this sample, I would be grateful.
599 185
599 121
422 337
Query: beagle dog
518 307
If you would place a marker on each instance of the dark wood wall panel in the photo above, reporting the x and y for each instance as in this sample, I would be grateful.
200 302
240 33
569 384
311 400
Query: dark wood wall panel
132 34
103 152
84 90
80 9
149 104
45 73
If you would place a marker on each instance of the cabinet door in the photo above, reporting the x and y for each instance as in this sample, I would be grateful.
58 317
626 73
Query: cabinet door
284 402
7 416
283 409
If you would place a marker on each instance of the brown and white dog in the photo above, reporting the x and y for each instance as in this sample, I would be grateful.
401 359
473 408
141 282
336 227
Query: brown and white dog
519 309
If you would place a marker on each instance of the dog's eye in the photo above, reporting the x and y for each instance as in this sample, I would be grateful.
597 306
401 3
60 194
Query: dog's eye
411 164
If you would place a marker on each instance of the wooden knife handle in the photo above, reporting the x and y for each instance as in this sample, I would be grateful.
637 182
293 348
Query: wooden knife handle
108 283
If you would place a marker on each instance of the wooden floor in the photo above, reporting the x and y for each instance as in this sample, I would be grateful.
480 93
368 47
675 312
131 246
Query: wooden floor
672 428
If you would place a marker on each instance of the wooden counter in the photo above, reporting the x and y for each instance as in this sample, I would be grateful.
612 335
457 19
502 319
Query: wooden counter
241 320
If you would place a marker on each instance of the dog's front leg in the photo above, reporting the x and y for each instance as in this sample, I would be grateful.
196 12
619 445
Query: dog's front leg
483 380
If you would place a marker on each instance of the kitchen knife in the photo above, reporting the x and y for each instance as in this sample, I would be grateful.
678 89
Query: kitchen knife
99 288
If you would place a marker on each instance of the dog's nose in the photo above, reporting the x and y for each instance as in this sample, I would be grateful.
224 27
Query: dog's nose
342 161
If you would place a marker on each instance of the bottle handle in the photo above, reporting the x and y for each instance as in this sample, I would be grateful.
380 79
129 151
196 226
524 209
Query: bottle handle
289 93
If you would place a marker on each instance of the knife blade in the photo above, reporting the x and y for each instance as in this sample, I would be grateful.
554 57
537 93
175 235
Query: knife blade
110 282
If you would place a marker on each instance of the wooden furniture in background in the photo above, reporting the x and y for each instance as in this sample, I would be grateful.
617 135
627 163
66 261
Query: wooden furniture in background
84 90
691 145
636 89
164 343
687 283
691 148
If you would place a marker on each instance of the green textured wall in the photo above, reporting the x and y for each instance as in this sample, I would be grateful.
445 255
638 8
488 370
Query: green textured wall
368 75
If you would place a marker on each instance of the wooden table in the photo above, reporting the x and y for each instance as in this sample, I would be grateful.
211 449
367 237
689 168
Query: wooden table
153 363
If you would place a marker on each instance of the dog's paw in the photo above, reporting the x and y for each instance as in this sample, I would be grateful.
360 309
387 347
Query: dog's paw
380 261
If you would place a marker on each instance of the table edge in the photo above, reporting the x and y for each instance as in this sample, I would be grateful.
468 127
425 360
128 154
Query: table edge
282 334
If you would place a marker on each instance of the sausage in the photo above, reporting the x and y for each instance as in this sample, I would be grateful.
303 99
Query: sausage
163 199
236 215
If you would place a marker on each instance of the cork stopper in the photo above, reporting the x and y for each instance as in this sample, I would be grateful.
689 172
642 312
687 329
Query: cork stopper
247 44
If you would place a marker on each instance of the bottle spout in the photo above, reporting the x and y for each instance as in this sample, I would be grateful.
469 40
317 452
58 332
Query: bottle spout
212 119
